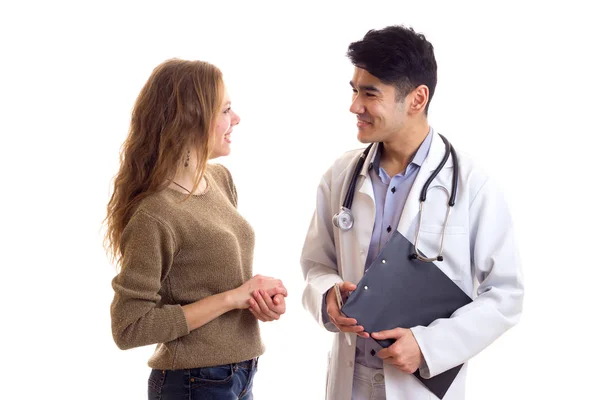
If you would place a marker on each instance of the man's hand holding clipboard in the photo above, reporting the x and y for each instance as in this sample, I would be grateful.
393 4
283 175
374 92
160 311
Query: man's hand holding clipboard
336 297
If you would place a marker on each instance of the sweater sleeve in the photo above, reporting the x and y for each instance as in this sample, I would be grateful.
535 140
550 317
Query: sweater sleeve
148 247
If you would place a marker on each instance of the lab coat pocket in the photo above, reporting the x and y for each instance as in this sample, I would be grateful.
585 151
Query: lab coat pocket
455 250
450 230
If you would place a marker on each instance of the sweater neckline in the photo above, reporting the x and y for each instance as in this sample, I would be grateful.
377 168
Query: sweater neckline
199 195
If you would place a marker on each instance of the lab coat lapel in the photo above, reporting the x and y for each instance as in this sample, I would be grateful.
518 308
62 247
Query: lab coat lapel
365 198
411 207
363 209
364 214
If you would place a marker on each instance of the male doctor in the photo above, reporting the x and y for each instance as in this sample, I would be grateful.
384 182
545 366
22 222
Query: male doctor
394 81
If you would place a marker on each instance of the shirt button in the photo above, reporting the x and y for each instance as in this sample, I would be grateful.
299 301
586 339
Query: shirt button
394 189
373 352
389 229
350 364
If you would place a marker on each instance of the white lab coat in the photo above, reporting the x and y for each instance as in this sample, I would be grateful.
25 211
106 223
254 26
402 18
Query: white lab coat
480 255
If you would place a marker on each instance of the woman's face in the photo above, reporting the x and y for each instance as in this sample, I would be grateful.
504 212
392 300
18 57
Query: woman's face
226 120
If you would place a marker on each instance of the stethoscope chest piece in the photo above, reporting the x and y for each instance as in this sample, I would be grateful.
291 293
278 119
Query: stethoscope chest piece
343 219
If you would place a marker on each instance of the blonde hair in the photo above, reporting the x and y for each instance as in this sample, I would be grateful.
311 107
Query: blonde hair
174 114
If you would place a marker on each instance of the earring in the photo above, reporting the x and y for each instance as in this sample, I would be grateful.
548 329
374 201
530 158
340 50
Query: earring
187 159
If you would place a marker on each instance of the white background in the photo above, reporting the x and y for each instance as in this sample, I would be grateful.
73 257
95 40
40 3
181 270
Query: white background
518 85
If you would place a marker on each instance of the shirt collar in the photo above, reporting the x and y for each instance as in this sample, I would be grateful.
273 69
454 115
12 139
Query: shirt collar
418 158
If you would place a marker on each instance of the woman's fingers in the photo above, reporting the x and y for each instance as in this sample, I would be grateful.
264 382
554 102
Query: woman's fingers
257 316
265 303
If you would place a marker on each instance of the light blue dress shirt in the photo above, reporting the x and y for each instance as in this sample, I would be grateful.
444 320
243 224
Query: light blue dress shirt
390 197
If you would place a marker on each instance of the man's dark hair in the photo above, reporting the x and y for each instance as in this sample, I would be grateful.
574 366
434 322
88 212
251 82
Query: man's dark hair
397 55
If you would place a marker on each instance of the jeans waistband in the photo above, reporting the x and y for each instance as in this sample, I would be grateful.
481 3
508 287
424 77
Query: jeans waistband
248 364
374 376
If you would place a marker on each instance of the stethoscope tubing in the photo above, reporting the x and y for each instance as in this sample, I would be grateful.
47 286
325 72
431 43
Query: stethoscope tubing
346 212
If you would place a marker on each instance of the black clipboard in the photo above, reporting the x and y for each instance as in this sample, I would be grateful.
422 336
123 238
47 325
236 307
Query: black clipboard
397 291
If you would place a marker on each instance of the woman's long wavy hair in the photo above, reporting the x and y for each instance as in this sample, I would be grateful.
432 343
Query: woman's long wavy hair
173 115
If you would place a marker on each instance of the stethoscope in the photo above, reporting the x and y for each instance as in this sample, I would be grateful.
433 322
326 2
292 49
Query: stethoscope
344 219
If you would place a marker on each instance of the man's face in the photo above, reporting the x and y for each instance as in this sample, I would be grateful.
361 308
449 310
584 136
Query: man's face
380 116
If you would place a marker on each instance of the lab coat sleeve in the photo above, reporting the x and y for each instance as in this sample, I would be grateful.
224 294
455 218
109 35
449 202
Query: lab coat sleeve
318 259
449 342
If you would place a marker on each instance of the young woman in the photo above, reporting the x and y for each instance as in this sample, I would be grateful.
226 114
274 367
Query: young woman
184 252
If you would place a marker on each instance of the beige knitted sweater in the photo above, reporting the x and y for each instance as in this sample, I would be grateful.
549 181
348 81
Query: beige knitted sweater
176 252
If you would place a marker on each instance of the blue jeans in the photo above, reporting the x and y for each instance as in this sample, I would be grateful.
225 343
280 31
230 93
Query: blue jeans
223 382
